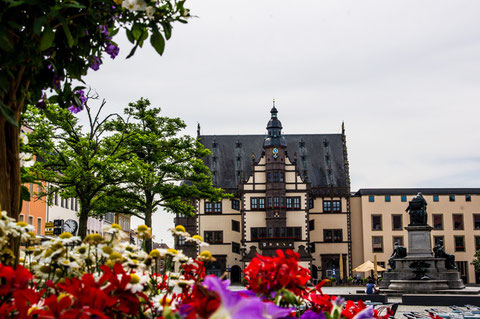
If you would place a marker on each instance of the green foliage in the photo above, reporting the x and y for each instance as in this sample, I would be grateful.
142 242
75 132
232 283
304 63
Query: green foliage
46 44
164 169
476 260
75 162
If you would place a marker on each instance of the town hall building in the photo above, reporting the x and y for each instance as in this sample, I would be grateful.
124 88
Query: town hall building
289 192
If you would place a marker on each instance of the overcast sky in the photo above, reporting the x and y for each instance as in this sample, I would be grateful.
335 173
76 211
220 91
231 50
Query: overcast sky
403 75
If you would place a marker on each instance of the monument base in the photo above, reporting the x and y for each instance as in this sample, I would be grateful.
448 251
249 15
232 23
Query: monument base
418 286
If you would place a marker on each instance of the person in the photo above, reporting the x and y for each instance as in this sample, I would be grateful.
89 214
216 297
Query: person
371 288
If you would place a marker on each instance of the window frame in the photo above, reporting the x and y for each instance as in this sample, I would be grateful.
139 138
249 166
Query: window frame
477 247
39 225
442 237
337 206
388 198
213 234
236 248
327 206
436 198
371 198
208 207
462 224
451 198
393 222
402 242
474 226
403 198
373 244
311 224
468 198
455 243
235 204
235 225
381 222
433 222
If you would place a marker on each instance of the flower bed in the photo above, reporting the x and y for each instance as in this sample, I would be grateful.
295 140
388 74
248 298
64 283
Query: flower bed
108 278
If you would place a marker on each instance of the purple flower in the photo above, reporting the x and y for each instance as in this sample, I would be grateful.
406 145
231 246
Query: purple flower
57 79
339 301
310 314
95 64
75 109
366 313
41 104
237 306
104 30
112 50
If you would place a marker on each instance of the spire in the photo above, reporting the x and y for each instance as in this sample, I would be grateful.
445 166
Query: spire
274 128
198 129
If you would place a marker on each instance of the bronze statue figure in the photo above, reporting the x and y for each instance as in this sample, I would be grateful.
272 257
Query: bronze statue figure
398 252
440 252
417 208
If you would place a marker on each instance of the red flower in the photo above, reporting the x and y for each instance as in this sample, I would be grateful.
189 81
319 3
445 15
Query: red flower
201 303
268 274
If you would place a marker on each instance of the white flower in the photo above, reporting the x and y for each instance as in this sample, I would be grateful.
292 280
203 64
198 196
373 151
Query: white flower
26 159
135 5
149 11
24 138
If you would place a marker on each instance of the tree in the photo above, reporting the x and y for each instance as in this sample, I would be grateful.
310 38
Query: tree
165 169
48 45
75 163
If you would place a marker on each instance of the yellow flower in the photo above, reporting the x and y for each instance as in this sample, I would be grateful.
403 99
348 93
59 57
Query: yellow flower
206 256
134 279
22 224
115 255
142 228
93 239
172 251
197 237
155 253
118 2
107 250
65 235
116 226
180 228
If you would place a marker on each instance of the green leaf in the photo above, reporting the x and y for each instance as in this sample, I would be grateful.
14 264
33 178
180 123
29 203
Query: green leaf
137 31
7 113
25 194
38 24
47 38
5 43
157 41
167 29
130 36
68 34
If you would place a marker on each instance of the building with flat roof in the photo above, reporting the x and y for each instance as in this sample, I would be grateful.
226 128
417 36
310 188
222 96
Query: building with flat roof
379 219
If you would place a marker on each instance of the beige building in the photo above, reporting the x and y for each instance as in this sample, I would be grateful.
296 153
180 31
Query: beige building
290 192
379 220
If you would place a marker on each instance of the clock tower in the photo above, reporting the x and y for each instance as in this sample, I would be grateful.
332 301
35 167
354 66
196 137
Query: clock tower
274 147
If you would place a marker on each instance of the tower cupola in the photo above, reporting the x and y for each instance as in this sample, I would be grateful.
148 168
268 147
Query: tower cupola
274 129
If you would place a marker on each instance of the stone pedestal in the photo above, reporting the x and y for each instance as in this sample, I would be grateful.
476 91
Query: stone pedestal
419 241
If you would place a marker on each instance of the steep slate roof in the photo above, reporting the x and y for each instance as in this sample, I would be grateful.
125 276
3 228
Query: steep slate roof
415 191
229 147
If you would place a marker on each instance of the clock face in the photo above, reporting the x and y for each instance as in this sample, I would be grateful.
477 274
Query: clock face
275 153
70 226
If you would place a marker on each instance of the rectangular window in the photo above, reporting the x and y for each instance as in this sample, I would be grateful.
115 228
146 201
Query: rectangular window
217 207
208 207
181 241
468 198
298 233
275 176
398 239
270 232
62 202
269 202
66 202
336 206
476 221
289 202
371 198
56 199
404 198
282 176
30 220
235 248
276 202
457 221
235 204
477 242
332 235
310 203
213 237
254 233
269 177
437 221
39 226
438 240
235 225
459 243
377 244
452 198
397 222
312 248
261 203
327 206
254 203
21 218
296 202
76 205
311 224
376 222
72 204
435 198
387 198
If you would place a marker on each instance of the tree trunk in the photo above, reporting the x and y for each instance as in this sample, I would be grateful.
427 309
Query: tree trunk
148 222
82 223
10 182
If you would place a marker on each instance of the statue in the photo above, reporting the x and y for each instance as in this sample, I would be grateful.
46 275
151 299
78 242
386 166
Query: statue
398 252
440 252
417 208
